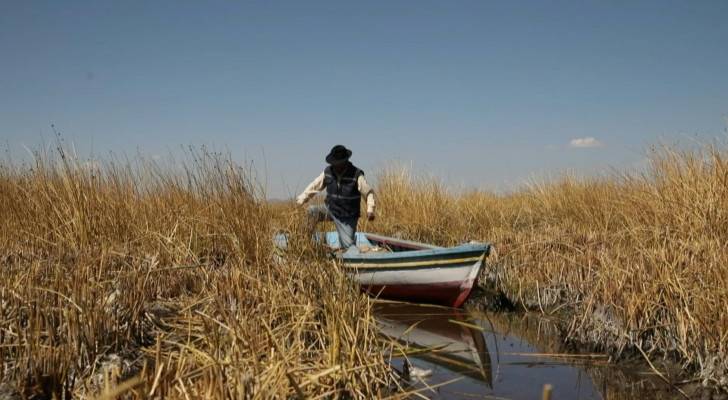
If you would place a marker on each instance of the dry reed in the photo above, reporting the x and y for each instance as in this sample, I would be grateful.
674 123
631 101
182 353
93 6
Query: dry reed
635 261
128 279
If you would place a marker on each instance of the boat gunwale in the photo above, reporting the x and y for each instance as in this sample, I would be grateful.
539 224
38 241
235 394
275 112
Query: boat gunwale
400 242
465 250
415 265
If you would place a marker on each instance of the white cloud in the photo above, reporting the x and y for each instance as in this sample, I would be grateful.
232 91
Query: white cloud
585 142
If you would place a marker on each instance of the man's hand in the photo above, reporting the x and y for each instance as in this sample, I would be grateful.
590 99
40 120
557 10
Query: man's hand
370 216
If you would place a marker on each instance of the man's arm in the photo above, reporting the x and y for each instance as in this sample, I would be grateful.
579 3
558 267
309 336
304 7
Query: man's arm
368 194
311 190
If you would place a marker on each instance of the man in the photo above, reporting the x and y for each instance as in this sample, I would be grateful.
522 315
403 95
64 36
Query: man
345 185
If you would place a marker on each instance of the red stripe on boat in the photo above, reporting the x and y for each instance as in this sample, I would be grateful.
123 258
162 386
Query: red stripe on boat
451 294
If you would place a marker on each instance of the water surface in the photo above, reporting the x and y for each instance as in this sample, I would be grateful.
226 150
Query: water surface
502 356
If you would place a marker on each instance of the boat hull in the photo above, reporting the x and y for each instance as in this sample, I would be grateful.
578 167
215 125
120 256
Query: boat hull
445 279
450 294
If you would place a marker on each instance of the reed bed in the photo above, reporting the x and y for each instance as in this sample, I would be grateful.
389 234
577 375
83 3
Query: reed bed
130 279
627 381
637 263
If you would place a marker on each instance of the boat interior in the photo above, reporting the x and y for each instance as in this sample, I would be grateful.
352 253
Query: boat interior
371 243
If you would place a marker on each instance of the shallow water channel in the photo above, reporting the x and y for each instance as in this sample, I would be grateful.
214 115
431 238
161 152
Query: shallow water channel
457 354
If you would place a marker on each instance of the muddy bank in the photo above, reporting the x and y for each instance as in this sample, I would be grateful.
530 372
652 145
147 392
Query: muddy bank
563 323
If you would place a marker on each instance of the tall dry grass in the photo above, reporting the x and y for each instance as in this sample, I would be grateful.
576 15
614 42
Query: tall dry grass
128 278
636 261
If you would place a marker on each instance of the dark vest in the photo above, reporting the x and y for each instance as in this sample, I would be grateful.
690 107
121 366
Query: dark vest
343 198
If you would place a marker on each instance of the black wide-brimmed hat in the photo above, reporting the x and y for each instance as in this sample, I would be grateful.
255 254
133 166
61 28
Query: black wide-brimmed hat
338 155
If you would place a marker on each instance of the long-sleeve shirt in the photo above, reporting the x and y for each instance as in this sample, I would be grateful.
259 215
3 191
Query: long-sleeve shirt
318 185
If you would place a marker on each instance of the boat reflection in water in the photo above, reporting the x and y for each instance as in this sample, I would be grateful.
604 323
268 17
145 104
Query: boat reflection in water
442 337
526 353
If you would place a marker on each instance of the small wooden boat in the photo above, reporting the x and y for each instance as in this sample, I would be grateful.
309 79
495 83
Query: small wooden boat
416 272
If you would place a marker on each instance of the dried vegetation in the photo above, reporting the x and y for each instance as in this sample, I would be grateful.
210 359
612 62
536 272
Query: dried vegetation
126 278
635 262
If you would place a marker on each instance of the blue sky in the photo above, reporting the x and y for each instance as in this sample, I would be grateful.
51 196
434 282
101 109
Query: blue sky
484 94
